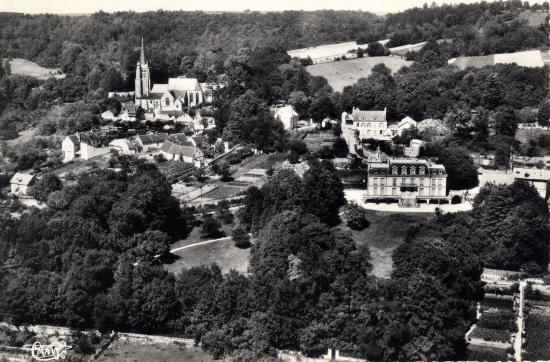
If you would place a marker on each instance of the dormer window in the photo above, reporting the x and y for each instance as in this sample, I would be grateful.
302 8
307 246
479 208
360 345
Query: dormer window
421 170
404 170
413 170
394 170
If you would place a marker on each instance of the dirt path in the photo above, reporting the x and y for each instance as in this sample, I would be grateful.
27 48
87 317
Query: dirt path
519 336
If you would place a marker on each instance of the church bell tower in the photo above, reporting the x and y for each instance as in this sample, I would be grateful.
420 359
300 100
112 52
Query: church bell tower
143 79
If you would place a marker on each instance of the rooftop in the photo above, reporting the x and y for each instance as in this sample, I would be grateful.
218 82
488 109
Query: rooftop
22 178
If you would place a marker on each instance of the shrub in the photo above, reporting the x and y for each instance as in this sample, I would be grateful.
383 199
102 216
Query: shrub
355 217
241 238
222 212
211 228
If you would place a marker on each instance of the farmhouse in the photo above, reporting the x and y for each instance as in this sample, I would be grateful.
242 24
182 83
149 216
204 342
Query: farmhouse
84 145
173 96
286 114
21 183
406 180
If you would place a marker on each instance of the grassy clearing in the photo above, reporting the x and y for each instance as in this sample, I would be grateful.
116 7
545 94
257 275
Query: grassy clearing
223 252
343 73
133 352
386 232
31 69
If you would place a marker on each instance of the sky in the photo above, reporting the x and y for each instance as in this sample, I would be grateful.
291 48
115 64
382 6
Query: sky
91 6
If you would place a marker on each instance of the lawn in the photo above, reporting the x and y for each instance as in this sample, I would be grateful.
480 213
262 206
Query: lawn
25 67
123 351
343 73
222 252
385 233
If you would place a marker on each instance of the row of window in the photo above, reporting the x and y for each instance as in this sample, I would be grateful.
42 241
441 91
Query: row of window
371 125
395 191
406 181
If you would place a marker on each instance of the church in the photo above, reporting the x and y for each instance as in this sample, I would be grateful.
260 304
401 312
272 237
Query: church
174 96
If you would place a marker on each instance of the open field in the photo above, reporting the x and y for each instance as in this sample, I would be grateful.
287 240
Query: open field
26 67
223 252
343 73
123 351
386 232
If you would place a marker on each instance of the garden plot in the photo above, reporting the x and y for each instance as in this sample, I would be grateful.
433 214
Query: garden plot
537 335
485 353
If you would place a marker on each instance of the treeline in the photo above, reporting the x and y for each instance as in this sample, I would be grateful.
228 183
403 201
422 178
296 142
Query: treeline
473 29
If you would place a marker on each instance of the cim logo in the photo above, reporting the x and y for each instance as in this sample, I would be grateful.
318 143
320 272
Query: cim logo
48 352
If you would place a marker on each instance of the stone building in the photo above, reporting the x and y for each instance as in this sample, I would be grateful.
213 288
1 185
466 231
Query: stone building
407 180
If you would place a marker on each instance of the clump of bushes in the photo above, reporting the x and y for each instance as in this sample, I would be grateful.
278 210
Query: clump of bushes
355 217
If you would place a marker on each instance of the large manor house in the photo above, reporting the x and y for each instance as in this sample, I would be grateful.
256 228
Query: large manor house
175 95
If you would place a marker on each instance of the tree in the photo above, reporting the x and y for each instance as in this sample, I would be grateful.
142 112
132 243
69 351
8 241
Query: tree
543 114
45 186
321 108
460 168
240 237
222 212
355 217
211 228
340 148
323 191
375 49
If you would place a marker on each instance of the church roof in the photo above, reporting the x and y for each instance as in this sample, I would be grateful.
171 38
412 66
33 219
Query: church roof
159 88
183 84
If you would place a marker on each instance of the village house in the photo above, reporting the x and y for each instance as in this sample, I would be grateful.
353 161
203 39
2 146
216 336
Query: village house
182 151
70 148
150 141
21 183
361 125
407 180
413 150
286 114
173 96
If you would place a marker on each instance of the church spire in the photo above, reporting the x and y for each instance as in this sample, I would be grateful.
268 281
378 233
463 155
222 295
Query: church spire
142 53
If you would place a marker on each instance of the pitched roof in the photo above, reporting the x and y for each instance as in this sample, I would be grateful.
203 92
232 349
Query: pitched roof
73 139
180 138
183 84
375 116
148 139
180 150
21 178
159 88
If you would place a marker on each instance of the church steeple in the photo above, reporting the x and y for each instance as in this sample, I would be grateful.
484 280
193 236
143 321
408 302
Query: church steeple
142 53
143 80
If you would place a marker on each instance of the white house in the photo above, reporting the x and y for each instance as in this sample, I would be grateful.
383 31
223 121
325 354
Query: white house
405 123
21 183
286 114
414 148
70 148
